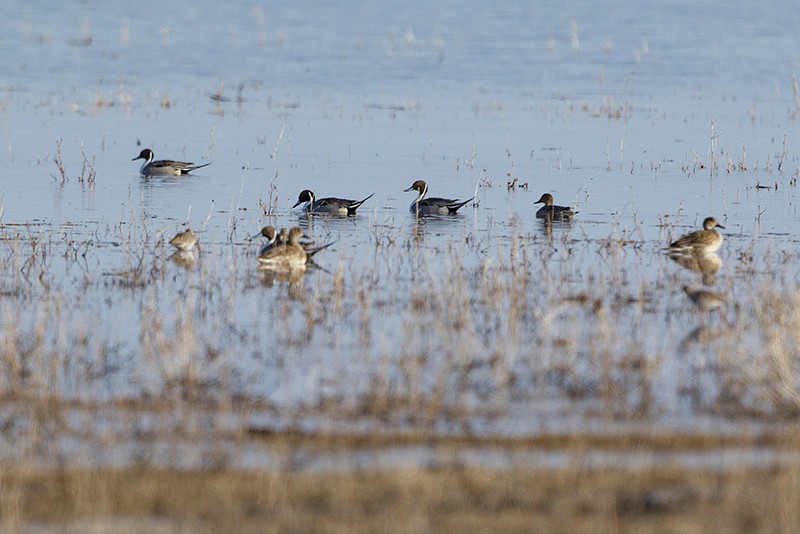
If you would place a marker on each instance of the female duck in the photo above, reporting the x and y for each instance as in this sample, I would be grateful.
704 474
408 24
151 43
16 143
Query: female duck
551 212
184 241
703 241
286 255
289 253
433 205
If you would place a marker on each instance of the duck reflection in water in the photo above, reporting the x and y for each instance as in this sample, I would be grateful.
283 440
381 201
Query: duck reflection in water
707 265
183 258
293 277
705 302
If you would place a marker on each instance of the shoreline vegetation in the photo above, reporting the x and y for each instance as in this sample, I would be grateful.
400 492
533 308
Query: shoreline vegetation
579 498
659 480
526 389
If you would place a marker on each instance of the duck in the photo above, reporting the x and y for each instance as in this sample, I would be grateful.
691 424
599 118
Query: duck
271 234
164 167
703 241
289 254
551 212
184 241
333 206
433 205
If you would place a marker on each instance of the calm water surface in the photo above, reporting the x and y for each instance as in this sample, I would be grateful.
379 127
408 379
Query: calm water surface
618 110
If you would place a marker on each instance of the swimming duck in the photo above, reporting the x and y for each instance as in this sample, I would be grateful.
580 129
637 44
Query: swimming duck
551 212
271 235
290 253
184 241
286 255
433 205
164 167
334 206
702 241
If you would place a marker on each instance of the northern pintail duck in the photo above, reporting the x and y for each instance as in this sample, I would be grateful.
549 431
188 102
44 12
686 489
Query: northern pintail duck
551 212
164 167
184 241
705 301
702 241
289 254
433 205
333 206
271 235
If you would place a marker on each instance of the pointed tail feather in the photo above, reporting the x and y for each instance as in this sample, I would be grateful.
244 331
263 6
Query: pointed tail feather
355 205
195 167
455 207
313 251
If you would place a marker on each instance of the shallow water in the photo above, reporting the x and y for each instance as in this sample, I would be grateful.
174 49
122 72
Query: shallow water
646 122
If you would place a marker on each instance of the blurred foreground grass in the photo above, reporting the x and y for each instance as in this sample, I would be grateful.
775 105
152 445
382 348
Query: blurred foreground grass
649 498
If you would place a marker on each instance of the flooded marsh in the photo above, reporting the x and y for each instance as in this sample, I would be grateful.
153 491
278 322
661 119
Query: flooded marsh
486 340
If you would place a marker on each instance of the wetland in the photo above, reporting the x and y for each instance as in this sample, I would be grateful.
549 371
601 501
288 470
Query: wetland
427 373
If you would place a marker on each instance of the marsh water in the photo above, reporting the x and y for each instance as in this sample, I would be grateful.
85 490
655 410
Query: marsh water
489 323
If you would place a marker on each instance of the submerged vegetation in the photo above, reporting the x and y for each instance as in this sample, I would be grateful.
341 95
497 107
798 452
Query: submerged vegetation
453 328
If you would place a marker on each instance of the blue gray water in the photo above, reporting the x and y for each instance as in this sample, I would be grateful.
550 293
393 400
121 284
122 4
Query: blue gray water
619 110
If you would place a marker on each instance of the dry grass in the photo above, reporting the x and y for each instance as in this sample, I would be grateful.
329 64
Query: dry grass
453 344
575 499
469 325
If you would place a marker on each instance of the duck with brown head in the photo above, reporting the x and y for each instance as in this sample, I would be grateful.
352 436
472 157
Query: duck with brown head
433 205
289 252
551 212
703 241
286 255
331 205
184 241
164 167
271 236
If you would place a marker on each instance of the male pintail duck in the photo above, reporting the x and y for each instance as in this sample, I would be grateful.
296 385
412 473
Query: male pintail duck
333 206
433 205
184 241
271 235
164 167
551 212
702 241
291 253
